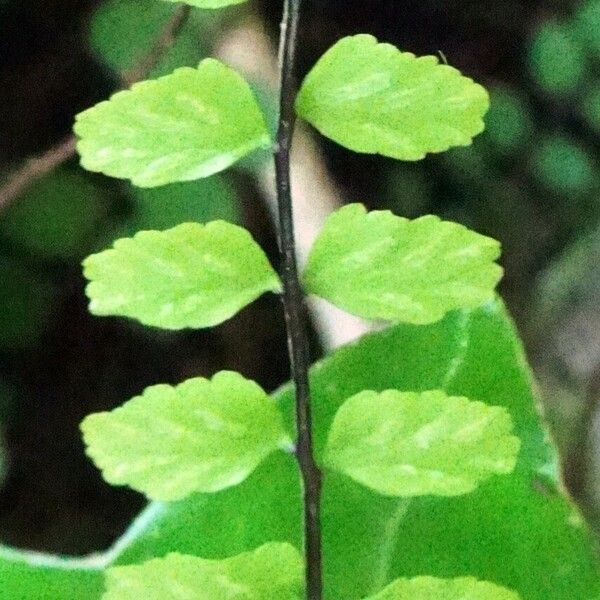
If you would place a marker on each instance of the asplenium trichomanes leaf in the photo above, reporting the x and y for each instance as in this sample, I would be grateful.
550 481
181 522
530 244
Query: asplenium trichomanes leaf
184 126
415 444
175 441
189 276
383 267
430 588
200 436
373 98
272 572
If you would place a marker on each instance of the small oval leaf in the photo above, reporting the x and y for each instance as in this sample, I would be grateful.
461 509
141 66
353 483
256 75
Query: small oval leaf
380 266
201 436
184 126
415 444
372 98
189 276
272 572
432 588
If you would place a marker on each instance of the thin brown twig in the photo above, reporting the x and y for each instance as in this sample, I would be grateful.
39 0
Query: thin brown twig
36 167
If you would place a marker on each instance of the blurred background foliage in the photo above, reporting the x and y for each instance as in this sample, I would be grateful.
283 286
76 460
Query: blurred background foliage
532 180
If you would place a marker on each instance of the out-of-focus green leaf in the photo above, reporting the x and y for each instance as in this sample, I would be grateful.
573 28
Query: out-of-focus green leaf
430 588
406 190
508 123
556 59
25 305
587 25
591 108
192 276
416 444
199 201
380 266
563 166
570 277
209 3
372 98
256 162
181 127
272 572
56 217
122 33
201 436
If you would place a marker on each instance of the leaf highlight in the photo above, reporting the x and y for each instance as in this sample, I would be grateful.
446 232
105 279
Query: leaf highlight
414 444
380 266
272 572
189 276
200 436
373 98
184 126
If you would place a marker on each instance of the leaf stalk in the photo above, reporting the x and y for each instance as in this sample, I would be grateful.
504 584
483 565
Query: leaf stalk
293 301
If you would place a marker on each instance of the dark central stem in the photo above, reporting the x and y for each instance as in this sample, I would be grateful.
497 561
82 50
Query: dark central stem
293 300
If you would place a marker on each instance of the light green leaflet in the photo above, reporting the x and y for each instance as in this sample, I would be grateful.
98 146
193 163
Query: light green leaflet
415 444
372 98
189 276
201 436
272 572
430 588
187 125
209 3
380 266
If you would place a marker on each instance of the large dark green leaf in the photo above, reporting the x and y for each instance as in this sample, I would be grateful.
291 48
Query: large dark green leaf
516 531
29 576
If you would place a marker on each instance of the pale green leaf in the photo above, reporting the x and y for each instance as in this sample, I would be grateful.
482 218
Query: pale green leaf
431 588
201 436
372 98
192 275
380 266
181 127
272 572
209 3
417 444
